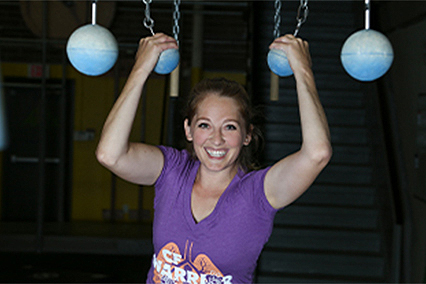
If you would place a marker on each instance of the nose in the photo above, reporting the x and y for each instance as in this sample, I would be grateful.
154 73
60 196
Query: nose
217 137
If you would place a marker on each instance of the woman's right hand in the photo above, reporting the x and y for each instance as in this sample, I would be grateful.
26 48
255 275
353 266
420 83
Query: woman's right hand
149 51
135 162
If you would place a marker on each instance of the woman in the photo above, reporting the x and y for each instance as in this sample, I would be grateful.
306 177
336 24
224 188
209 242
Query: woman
212 215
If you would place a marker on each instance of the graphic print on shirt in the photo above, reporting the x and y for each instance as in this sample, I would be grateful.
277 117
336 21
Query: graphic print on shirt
170 267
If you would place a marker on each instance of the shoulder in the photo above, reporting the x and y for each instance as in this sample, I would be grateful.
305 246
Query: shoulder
254 175
175 161
252 189
174 157
253 179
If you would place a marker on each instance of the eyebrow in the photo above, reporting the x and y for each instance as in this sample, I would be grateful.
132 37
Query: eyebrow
226 120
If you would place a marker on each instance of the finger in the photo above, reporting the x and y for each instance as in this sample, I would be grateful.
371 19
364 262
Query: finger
288 39
164 41
160 37
159 41
285 38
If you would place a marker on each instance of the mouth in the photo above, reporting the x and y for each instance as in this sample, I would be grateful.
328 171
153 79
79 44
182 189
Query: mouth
216 153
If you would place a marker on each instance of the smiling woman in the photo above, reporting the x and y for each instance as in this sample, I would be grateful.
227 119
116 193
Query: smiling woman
232 100
213 211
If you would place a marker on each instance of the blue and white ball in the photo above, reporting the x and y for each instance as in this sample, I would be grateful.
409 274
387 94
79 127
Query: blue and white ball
167 62
278 63
4 137
367 55
92 50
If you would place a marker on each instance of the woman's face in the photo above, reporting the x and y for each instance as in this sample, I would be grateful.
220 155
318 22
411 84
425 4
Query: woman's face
217 132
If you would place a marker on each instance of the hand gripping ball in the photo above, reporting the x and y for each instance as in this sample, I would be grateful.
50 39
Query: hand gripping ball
167 62
92 50
367 55
278 63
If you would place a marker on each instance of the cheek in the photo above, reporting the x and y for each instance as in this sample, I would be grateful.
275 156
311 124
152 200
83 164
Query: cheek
199 137
235 140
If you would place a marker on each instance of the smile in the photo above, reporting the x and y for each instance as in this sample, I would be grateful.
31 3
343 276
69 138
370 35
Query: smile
216 153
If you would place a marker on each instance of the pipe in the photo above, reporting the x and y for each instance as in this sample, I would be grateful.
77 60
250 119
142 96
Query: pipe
197 45
274 87
94 12
367 14
60 199
42 139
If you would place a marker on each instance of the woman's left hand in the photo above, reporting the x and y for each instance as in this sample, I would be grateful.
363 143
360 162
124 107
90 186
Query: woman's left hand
296 49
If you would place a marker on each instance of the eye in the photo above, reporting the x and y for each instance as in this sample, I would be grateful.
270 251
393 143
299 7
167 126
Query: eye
203 125
230 127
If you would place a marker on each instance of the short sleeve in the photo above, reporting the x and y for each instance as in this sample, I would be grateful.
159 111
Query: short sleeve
252 186
172 157
177 166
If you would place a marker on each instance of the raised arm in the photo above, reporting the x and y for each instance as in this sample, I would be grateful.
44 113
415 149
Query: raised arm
291 177
135 162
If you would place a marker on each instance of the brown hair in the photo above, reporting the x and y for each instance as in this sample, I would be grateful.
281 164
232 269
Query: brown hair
231 89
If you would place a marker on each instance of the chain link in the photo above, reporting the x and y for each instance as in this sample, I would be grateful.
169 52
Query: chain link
176 17
148 22
302 15
277 18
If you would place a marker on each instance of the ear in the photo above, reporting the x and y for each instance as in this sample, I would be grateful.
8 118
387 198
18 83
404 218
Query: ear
187 128
247 140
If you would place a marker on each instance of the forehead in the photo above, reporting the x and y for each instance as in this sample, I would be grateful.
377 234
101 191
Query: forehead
216 104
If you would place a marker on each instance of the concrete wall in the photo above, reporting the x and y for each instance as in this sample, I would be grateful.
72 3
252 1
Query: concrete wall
94 97
405 25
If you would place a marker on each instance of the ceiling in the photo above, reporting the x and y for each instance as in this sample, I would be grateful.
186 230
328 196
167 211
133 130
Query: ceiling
225 28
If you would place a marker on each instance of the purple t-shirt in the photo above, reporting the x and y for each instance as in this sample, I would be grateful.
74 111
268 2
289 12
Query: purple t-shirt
223 247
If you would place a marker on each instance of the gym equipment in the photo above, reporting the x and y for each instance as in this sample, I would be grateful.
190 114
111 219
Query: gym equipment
169 59
92 49
4 139
277 59
367 54
64 17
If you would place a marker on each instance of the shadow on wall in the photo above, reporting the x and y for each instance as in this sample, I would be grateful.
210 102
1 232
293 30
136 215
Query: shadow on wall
72 268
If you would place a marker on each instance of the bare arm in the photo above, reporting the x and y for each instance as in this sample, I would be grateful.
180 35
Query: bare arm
291 177
135 162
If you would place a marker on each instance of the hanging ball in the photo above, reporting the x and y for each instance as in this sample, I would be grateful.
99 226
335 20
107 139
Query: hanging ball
168 61
92 50
278 63
4 137
367 55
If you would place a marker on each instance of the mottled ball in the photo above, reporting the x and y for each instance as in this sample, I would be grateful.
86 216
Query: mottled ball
92 50
168 61
278 63
4 137
367 55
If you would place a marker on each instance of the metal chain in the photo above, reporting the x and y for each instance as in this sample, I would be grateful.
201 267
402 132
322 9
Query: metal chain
302 15
176 17
277 18
148 22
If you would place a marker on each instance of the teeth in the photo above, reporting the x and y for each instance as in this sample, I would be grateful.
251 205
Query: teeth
216 154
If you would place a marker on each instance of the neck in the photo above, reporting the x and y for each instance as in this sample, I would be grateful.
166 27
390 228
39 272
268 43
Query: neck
215 181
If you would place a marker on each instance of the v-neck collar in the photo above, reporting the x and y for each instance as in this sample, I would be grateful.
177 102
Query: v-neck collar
188 208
